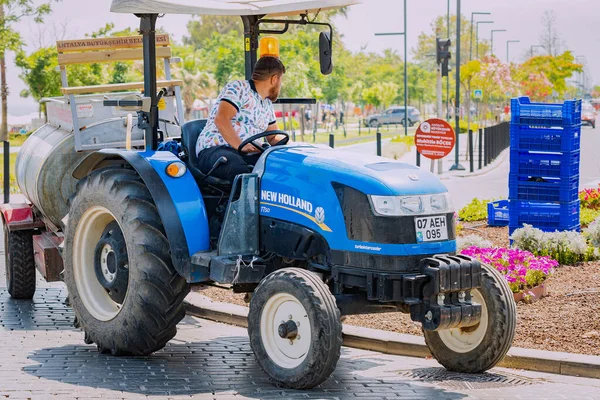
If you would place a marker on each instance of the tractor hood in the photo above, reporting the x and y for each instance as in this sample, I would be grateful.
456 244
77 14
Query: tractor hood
372 175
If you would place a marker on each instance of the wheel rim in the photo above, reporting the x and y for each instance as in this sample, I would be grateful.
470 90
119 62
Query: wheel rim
94 296
291 350
464 340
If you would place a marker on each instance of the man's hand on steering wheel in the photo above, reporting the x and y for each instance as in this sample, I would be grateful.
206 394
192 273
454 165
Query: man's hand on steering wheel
250 142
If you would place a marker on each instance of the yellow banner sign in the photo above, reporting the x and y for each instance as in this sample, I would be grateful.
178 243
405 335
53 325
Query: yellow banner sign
124 42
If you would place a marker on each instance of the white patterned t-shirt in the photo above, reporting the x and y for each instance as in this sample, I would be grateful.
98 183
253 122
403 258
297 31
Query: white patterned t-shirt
254 115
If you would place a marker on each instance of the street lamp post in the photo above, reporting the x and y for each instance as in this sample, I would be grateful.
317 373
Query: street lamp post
448 76
533 46
581 74
507 43
405 69
457 166
477 36
471 34
492 44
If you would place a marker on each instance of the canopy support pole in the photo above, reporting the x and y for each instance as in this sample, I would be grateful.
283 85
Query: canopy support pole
250 43
148 32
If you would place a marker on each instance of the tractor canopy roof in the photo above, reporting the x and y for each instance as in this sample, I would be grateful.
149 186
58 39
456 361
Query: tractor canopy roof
227 7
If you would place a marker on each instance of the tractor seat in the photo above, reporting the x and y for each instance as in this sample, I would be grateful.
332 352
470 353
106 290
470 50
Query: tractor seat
189 137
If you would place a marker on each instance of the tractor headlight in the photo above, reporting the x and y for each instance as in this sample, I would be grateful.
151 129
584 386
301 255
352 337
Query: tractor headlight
411 205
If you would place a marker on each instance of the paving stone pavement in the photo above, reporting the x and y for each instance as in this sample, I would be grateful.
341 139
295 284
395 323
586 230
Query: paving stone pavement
43 357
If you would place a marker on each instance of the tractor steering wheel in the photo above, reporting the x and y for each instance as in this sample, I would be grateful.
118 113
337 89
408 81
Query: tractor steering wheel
260 148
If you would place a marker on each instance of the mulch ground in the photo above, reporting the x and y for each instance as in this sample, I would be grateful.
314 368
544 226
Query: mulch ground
567 320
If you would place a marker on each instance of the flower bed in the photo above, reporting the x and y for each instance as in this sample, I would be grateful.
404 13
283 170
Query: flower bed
522 270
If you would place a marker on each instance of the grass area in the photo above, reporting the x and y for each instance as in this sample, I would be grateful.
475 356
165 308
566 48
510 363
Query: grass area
354 135
17 140
13 182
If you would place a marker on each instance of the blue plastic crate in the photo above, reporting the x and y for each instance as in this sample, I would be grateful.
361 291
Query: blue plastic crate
498 213
544 165
524 112
533 138
550 190
545 216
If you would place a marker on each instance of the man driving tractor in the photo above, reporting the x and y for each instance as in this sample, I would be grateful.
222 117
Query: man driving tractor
243 109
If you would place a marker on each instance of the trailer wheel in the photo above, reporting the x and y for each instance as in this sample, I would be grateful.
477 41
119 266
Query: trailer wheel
125 292
294 328
479 348
19 263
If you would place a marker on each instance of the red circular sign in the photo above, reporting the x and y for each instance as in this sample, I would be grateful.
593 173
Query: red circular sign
435 139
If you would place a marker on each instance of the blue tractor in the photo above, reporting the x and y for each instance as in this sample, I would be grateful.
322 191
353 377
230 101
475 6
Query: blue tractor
312 234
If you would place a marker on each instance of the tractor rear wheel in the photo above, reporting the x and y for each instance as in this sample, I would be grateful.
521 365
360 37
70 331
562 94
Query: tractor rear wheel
125 292
19 263
294 328
478 348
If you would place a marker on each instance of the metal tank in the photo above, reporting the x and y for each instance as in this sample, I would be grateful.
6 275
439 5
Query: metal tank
46 161
44 169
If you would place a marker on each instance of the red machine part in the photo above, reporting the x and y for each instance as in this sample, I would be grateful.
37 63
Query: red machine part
19 216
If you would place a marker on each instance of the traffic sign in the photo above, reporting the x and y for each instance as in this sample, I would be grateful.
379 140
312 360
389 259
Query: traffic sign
435 139
478 93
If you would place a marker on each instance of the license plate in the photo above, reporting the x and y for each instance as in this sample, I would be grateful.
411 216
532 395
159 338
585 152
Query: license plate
430 229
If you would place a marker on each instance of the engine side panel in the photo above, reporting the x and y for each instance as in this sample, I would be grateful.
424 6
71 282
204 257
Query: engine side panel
299 188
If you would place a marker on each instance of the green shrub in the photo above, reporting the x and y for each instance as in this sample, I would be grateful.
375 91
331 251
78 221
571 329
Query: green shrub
476 210
408 140
464 126
587 216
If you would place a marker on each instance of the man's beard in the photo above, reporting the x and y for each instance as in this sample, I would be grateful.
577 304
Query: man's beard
273 94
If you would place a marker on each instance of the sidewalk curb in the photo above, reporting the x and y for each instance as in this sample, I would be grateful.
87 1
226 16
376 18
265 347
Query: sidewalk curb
495 164
568 364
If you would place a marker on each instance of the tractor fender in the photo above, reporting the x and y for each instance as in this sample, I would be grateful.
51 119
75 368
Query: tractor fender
179 202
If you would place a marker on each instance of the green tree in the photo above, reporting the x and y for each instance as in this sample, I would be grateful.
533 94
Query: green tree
202 28
467 72
197 82
11 13
556 68
39 74
421 84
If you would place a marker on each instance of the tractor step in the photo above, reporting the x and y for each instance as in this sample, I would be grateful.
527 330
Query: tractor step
245 269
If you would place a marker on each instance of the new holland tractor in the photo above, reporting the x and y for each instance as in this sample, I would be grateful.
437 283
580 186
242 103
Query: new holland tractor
312 234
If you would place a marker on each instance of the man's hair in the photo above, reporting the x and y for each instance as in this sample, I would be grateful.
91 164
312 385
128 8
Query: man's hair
266 67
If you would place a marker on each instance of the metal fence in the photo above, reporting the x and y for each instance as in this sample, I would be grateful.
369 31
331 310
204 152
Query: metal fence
491 141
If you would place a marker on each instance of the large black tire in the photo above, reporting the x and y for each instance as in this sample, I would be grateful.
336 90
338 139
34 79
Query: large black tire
325 328
497 337
19 263
153 305
374 123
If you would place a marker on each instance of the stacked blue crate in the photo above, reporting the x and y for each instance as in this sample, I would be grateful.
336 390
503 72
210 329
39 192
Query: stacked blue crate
544 165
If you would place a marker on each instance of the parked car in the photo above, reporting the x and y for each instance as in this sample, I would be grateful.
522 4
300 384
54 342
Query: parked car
588 115
394 115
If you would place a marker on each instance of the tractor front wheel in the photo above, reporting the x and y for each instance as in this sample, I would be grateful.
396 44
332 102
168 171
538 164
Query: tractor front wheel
19 263
125 292
294 328
476 349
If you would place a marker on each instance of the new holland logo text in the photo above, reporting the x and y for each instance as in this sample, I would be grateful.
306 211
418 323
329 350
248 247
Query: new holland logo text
286 199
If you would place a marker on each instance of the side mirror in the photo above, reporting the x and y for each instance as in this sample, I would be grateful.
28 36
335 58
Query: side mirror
325 50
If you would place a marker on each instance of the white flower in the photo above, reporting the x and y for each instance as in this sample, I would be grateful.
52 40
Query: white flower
464 242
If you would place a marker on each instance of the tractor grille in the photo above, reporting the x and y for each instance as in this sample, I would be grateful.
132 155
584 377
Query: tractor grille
363 225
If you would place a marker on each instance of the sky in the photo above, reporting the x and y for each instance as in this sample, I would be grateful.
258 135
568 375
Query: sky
578 23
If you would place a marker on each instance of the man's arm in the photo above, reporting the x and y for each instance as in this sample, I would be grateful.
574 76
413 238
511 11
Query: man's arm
274 139
225 114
